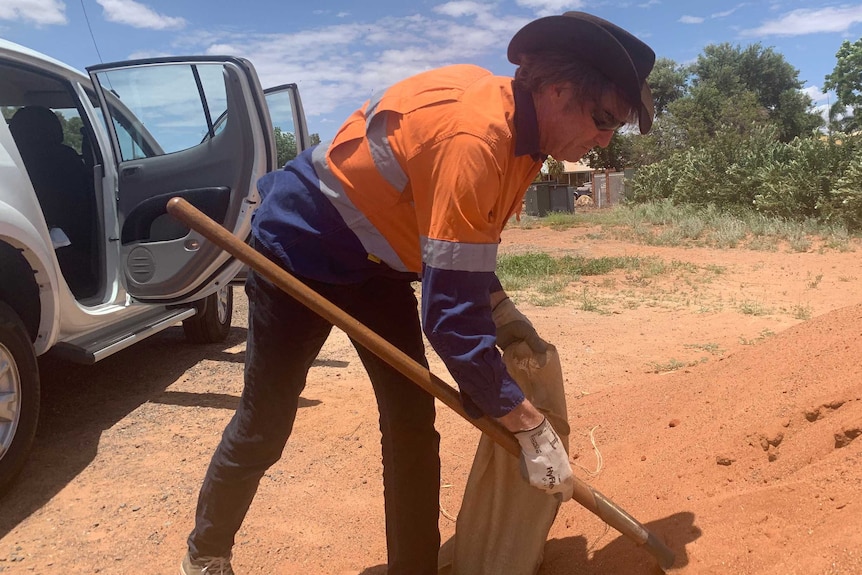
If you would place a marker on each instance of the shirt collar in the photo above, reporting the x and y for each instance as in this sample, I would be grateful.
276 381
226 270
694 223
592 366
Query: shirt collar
526 125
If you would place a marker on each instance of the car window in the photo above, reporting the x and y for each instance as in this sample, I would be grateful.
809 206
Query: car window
21 87
281 112
70 120
159 110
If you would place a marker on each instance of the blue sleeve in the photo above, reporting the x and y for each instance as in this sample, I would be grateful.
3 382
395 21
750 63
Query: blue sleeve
456 318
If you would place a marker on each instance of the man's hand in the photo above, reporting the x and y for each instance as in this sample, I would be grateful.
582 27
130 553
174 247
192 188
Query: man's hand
544 461
513 326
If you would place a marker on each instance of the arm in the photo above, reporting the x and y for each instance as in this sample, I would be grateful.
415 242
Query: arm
524 416
466 315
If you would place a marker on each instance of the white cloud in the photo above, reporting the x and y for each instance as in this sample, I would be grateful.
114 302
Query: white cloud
340 65
816 94
551 7
138 15
807 21
649 4
691 20
726 13
461 8
40 12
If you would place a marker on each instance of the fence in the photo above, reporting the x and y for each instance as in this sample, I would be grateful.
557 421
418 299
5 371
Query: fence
608 189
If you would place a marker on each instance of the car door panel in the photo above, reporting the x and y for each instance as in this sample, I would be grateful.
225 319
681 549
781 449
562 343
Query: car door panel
156 135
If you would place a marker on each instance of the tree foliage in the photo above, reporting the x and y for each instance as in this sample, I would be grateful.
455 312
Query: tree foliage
819 178
285 145
763 73
846 81
668 82
728 93
617 155
555 168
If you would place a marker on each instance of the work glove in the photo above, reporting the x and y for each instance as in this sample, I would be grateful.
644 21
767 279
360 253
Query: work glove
544 461
513 326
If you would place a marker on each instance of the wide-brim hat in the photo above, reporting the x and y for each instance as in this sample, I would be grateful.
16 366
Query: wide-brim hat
615 53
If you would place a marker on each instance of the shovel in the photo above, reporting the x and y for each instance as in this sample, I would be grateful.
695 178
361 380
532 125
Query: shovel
594 501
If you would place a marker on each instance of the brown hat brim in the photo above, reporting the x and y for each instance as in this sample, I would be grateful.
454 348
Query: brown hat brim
618 55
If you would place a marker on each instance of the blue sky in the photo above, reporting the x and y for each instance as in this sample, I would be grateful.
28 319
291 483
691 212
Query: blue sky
340 51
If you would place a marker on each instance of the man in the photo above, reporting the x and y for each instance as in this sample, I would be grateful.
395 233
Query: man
418 184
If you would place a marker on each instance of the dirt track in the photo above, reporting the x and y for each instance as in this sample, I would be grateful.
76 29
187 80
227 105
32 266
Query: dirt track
746 460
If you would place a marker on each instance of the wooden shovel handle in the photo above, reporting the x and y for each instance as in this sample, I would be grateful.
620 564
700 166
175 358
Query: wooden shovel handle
594 501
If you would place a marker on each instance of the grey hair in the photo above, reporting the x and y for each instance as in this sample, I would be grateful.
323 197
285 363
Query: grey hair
538 70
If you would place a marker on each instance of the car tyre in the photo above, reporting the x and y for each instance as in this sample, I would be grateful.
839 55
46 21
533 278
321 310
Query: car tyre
19 396
212 322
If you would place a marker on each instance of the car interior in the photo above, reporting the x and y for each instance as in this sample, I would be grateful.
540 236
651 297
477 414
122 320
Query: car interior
55 143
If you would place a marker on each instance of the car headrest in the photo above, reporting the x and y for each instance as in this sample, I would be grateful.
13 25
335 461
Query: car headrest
36 125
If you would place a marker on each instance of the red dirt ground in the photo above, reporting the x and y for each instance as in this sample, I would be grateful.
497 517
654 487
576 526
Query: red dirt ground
745 460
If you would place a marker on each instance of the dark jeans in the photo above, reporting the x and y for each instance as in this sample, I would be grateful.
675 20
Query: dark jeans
284 338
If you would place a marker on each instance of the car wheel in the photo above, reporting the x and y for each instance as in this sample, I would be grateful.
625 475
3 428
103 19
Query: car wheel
212 322
19 395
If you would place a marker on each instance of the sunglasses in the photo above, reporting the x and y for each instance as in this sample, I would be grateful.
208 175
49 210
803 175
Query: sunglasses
606 122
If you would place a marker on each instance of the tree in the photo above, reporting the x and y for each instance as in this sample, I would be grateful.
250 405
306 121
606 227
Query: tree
555 168
285 145
763 72
616 156
846 81
668 82
72 135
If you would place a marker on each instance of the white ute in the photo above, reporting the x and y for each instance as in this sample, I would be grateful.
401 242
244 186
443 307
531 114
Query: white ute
90 263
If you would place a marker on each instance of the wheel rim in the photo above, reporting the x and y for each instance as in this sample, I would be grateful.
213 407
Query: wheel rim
10 398
222 303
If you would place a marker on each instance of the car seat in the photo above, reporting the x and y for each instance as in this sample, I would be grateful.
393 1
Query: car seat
63 187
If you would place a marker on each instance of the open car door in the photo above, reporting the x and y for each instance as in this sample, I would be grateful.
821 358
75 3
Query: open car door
196 128
289 130
288 122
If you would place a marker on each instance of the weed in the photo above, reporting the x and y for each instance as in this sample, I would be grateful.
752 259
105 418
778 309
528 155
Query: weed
674 365
813 283
712 348
751 307
671 365
667 224
764 334
801 311
590 302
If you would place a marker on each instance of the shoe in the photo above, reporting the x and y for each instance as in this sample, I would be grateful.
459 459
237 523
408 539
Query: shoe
206 566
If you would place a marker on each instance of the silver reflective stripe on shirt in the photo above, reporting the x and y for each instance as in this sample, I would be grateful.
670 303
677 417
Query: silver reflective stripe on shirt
378 144
457 256
372 240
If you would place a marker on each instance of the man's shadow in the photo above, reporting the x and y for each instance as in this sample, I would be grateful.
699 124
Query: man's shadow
574 556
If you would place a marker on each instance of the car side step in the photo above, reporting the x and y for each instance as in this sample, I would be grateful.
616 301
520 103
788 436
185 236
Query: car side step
89 351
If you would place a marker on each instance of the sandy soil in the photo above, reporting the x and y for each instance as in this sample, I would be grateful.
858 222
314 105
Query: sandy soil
724 393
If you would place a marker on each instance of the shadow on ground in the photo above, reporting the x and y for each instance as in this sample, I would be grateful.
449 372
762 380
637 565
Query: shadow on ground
622 555
79 402
572 555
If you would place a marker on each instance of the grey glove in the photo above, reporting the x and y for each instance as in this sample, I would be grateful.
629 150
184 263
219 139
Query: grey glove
513 326
544 461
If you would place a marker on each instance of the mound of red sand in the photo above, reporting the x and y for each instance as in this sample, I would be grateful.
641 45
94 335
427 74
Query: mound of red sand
748 465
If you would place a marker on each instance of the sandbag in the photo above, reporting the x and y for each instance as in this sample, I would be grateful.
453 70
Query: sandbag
504 522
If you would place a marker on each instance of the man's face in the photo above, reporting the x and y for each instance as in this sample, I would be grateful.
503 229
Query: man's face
568 130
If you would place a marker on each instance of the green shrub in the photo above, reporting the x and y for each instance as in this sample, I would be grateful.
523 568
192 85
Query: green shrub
817 178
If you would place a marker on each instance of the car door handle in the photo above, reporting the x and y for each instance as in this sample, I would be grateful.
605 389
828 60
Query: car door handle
131 171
